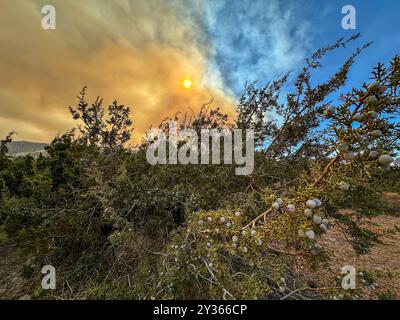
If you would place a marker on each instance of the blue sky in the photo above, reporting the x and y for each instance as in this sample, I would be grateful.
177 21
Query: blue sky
261 39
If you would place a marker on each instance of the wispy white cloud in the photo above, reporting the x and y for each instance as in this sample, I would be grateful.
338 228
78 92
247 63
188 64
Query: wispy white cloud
256 40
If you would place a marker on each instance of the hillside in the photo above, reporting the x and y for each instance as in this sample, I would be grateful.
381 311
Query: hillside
20 148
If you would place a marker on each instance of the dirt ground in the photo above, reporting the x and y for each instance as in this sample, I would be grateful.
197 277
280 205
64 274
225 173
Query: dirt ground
381 266
11 282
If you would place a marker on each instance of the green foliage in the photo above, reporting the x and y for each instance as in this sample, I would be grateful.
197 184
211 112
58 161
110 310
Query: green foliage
206 261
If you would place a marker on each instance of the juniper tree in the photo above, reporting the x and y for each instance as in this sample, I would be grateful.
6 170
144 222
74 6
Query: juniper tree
106 128
289 128
4 148
227 254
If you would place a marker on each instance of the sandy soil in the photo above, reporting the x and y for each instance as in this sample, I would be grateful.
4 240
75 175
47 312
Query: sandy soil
382 264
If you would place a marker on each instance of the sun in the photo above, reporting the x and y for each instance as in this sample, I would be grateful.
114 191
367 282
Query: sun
187 83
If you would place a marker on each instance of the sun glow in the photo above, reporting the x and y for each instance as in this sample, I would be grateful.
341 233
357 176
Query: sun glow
187 83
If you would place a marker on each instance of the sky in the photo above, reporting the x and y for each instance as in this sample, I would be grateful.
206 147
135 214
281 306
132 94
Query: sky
141 51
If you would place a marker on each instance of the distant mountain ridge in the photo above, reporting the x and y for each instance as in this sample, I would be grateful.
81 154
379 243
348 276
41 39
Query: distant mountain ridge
23 148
